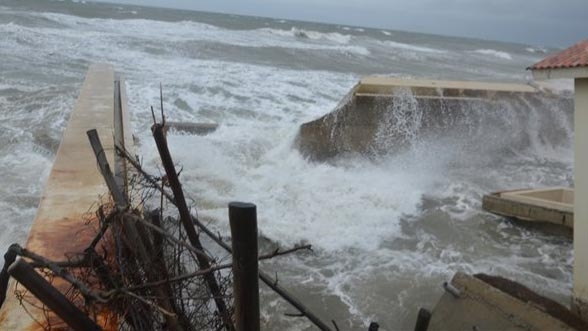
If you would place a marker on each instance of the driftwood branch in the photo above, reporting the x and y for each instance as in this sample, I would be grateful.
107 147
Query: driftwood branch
9 259
50 296
148 177
150 303
200 272
186 219
58 271
166 235
115 191
279 252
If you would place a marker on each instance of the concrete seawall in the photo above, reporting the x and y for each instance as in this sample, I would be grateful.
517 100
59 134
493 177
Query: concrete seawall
382 114
72 190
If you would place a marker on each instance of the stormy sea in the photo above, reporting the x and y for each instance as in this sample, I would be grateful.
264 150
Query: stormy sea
386 231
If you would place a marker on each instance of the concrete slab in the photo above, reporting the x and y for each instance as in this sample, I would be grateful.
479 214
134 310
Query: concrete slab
481 306
551 205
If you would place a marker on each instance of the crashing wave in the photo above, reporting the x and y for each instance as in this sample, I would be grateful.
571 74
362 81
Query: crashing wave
495 53
415 48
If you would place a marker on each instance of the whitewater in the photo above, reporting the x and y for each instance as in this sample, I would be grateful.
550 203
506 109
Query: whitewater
386 231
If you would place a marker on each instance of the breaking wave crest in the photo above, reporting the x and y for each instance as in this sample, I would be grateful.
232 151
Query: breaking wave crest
492 52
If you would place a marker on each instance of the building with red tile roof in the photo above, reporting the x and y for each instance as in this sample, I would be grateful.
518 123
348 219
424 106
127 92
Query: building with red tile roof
573 63
569 63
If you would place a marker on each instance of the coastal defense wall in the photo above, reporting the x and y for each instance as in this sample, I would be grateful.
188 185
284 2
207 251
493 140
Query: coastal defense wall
382 114
72 189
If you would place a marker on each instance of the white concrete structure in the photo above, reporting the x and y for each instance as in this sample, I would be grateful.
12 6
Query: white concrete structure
553 205
573 63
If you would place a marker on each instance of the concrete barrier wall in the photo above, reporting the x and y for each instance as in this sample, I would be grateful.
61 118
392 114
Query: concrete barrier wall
380 115
71 193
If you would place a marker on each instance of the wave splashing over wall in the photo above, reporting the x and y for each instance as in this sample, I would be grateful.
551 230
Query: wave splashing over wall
494 123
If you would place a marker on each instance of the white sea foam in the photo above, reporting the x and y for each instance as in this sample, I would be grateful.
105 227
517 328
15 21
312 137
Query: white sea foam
331 207
187 31
387 33
536 50
314 35
558 85
409 47
499 54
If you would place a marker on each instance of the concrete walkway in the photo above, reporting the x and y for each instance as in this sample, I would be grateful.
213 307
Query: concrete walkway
72 192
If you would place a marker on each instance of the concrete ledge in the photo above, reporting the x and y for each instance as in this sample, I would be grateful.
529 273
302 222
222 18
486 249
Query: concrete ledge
552 205
481 306
388 84
200 129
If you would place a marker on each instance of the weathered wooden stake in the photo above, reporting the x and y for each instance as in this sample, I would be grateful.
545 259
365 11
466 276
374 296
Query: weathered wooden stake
422 323
9 258
143 256
243 220
186 219
139 241
117 194
51 297
269 281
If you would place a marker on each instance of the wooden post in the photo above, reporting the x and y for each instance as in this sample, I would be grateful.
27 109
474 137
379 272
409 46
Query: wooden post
423 319
269 281
243 220
186 219
117 194
9 258
51 297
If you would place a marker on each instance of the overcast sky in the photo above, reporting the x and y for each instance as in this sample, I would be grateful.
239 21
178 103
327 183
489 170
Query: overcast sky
539 22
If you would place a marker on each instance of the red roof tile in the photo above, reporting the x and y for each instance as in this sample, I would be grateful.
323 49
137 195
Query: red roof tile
575 56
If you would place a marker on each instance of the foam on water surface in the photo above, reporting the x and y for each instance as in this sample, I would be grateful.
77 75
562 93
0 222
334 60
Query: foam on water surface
499 54
416 48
